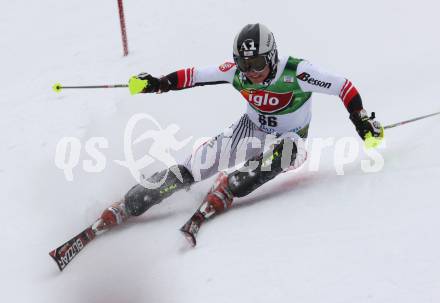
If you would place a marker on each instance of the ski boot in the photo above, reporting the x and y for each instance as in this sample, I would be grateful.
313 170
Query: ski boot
216 201
112 216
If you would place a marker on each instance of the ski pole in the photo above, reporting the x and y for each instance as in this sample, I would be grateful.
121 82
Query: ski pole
57 87
410 120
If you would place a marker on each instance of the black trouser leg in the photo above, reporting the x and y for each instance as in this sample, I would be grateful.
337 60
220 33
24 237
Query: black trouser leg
139 198
266 167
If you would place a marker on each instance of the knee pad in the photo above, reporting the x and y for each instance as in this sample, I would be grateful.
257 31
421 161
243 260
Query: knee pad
268 165
140 198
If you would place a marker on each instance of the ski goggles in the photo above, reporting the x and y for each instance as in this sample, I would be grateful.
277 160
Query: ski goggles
256 64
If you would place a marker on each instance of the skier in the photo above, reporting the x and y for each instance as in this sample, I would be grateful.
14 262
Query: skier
278 91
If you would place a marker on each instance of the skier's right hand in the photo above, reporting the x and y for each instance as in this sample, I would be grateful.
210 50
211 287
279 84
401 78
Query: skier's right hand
146 83
143 83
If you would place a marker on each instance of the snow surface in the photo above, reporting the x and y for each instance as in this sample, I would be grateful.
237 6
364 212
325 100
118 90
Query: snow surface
305 237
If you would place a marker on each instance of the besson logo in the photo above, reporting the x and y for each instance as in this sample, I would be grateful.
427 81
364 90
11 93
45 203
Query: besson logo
306 78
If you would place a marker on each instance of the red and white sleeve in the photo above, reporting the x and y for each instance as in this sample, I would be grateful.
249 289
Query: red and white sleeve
313 79
211 75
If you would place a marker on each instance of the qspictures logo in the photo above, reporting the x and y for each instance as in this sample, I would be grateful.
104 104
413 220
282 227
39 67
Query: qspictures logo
163 142
215 153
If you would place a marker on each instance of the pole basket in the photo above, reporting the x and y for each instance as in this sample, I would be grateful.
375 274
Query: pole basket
123 28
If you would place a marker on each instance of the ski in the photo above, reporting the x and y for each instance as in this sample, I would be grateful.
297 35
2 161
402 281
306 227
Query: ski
64 254
189 236
191 228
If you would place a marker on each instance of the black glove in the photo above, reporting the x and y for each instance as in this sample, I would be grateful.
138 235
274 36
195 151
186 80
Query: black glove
367 127
155 85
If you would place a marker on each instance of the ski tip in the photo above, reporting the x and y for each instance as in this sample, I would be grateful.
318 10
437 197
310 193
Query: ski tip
64 254
189 237
53 255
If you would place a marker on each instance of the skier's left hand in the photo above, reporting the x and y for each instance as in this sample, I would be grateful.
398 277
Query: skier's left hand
370 130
